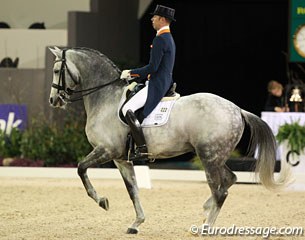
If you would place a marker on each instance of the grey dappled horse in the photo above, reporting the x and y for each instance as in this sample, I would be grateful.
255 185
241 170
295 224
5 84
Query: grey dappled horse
203 123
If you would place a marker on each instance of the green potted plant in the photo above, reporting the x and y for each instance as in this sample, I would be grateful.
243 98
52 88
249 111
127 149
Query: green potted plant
292 138
294 135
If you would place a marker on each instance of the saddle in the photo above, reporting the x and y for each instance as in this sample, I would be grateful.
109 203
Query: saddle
135 87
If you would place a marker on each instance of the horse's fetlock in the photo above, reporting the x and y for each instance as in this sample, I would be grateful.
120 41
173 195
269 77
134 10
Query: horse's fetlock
91 192
141 219
220 196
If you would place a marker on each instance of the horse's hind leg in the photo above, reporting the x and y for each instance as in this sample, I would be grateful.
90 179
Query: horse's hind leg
98 155
128 174
219 178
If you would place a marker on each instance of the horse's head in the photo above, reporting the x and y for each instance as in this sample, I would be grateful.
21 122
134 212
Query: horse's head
65 77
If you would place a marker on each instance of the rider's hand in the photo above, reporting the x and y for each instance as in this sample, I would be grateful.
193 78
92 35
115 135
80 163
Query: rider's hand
126 75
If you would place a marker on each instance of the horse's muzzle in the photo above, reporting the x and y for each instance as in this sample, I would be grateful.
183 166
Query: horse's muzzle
57 101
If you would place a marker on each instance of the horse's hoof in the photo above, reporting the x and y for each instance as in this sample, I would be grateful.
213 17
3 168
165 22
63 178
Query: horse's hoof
132 231
104 203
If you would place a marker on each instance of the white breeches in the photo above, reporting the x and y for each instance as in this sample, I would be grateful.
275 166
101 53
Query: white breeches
137 101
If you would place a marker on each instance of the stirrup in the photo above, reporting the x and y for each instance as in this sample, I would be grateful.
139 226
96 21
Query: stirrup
140 153
135 156
141 150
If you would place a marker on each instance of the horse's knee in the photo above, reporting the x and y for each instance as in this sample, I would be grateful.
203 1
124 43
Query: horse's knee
81 169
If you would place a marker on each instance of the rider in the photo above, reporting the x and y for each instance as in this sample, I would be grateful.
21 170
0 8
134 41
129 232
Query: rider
158 72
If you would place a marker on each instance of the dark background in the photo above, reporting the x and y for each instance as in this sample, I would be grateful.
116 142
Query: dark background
230 48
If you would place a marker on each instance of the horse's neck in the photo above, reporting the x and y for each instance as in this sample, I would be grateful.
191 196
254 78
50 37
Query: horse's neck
100 71
106 99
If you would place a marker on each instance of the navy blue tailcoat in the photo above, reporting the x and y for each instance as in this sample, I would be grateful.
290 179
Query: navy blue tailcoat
160 68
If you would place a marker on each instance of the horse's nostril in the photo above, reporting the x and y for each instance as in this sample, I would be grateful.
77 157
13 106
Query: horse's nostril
51 100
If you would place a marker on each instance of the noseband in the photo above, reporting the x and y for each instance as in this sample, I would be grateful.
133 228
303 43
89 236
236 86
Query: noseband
61 86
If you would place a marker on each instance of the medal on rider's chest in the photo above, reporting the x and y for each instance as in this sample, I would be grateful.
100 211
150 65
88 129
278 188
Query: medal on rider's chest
299 40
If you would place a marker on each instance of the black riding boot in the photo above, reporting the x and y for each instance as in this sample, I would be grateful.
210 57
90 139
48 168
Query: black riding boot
137 134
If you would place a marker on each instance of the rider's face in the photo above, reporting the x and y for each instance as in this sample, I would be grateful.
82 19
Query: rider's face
156 22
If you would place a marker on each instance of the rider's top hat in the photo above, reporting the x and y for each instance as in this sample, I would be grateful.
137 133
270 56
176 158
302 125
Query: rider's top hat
164 12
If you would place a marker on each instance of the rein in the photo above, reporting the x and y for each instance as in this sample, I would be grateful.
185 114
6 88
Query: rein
61 86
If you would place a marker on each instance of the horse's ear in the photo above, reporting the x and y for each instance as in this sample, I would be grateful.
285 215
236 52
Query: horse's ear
56 51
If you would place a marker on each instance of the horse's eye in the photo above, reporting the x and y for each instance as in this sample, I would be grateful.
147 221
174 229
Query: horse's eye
56 71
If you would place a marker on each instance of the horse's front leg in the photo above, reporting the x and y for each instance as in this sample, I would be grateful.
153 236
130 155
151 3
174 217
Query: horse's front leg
129 177
98 155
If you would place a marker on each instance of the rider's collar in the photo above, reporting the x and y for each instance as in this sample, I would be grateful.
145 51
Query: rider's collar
163 30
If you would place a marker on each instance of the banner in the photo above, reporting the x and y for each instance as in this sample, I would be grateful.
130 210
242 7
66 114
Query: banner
297 31
12 116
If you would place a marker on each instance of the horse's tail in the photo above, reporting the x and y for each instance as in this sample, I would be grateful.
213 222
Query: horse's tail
263 144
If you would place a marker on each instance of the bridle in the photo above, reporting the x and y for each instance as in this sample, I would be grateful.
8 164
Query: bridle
61 86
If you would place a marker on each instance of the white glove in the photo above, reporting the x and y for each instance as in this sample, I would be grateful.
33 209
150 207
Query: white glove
126 75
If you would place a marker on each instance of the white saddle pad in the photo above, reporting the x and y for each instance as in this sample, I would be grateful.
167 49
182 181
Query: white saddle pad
160 115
